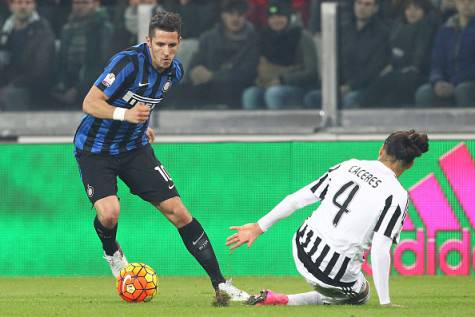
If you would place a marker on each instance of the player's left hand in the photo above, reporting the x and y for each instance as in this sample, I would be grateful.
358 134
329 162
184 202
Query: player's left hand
247 233
150 135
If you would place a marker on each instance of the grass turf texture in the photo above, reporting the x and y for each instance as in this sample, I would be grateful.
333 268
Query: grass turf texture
183 296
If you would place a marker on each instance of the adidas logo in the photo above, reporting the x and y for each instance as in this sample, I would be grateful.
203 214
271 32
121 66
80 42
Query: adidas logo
439 220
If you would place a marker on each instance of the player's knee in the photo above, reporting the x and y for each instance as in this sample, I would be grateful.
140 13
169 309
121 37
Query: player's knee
108 213
109 220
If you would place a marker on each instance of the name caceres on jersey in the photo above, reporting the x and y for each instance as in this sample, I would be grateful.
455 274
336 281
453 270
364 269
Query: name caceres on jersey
129 78
358 199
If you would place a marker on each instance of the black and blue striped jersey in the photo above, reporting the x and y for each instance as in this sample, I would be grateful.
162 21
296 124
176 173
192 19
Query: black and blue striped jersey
129 78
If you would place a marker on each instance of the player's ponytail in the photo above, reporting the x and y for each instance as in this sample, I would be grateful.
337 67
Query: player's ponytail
405 146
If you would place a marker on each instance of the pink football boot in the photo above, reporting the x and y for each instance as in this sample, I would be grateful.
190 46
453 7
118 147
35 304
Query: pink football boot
267 297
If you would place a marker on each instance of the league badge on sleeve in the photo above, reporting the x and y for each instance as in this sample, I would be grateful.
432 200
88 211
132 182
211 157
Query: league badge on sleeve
108 80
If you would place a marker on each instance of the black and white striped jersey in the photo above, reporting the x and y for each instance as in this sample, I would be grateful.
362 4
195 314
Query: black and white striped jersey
358 198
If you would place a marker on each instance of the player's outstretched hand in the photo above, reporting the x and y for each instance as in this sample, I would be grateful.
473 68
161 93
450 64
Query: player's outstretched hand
150 135
138 114
247 233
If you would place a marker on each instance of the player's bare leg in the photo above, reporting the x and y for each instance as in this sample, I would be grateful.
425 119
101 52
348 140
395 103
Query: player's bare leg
197 242
175 211
105 223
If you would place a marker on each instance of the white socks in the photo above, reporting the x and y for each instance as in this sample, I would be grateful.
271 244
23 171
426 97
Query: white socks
310 298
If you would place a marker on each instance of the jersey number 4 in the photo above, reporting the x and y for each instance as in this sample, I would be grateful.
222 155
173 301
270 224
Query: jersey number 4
353 187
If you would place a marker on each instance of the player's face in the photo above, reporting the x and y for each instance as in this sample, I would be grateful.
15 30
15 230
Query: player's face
22 9
163 46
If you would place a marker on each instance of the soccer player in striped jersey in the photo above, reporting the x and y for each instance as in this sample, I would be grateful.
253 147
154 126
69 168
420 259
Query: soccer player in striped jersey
362 205
113 140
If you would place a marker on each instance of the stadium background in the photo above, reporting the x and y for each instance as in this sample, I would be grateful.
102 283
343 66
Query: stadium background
46 219
230 165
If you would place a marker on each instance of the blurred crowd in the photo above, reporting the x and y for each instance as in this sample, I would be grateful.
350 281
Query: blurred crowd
254 54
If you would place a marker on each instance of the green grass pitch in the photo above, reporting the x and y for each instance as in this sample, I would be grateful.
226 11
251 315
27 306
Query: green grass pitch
184 296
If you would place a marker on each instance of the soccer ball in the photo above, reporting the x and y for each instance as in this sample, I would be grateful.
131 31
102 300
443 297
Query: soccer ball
137 282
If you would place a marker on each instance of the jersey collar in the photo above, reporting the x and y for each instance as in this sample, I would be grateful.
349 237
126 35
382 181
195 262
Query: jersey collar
386 169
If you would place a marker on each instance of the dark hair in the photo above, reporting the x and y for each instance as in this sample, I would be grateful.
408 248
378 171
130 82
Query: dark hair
406 145
240 6
376 2
425 5
166 21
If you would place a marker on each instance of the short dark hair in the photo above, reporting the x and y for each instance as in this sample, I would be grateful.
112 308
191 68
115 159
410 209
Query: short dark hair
166 21
376 2
240 6
405 146
425 5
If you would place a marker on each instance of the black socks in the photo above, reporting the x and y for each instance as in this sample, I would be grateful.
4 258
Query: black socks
198 244
107 237
194 237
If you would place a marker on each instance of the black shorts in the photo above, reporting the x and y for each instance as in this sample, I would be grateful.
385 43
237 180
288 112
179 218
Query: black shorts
139 169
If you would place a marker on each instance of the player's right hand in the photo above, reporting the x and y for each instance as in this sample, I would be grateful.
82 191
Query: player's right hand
247 233
138 114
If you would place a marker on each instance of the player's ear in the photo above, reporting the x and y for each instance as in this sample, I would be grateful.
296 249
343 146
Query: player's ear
381 151
149 41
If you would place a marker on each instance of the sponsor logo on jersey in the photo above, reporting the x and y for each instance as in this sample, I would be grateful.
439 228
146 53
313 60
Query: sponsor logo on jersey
108 80
132 99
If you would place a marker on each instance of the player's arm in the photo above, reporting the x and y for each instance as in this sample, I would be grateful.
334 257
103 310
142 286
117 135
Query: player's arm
381 266
387 231
250 232
117 75
96 105
307 195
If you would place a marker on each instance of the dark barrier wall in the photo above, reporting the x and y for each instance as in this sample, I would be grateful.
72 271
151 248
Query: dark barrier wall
46 218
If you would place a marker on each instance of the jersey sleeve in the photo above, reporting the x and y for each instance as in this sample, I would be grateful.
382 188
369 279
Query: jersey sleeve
179 71
392 216
301 198
115 74
381 265
319 187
